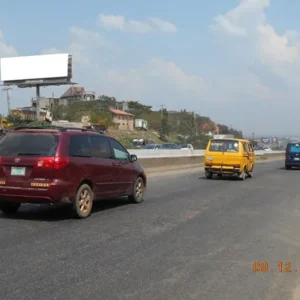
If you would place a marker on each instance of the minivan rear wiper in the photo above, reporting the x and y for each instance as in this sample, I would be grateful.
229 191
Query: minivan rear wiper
29 154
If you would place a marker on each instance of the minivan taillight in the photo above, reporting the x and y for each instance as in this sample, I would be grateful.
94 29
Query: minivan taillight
56 162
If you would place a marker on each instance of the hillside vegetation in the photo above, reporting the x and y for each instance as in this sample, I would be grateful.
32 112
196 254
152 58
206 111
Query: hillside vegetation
173 126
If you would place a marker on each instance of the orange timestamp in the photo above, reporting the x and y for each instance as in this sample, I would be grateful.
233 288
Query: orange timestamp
263 266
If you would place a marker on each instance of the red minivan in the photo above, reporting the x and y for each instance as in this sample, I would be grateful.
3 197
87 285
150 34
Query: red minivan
66 165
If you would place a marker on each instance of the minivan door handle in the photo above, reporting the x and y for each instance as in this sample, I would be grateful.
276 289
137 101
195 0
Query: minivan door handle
116 165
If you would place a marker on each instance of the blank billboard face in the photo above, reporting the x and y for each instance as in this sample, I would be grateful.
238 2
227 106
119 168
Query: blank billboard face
34 67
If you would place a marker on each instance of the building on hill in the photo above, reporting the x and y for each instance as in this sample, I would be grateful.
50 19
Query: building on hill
74 94
122 120
45 102
71 95
29 113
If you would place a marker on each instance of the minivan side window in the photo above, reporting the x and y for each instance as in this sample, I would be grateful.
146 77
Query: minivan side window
119 151
245 147
250 147
79 146
100 147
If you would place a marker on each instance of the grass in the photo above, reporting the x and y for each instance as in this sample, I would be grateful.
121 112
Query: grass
126 137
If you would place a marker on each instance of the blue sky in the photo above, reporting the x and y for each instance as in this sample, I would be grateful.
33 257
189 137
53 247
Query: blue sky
237 61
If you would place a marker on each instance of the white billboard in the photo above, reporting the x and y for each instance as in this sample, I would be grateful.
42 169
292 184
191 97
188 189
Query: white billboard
34 67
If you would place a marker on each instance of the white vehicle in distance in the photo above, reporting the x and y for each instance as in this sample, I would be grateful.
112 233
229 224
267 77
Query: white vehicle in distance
267 149
152 146
186 147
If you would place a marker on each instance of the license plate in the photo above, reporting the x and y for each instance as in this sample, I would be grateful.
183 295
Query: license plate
18 171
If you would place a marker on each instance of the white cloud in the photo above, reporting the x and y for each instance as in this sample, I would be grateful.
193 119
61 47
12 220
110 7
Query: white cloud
273 47
87 37
163 25
229 27
83 42
159 70
52 50
278 53
5 49
238 21
173 74
113 22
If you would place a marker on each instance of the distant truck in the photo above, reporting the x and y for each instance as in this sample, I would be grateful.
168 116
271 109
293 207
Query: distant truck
141 124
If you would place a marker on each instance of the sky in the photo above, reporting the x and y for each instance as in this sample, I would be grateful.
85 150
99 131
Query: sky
236 61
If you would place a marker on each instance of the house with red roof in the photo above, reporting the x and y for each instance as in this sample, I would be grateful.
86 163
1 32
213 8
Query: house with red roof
122 120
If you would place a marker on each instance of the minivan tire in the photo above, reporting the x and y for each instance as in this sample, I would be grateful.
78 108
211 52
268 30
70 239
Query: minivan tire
287 167
9 208
243 175
209 175
83 203
250 174
138 192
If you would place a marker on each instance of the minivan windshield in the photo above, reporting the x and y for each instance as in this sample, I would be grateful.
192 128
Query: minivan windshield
294 148
224 146
29 144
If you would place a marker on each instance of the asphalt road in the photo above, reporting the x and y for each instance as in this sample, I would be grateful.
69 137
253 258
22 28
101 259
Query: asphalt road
192 238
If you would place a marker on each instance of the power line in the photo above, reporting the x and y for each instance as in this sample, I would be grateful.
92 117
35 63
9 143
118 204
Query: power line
7 89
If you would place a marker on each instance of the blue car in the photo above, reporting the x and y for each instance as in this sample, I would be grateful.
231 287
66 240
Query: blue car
292 156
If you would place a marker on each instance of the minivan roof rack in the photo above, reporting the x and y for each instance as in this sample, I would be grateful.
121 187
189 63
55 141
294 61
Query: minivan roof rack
59 128
35 127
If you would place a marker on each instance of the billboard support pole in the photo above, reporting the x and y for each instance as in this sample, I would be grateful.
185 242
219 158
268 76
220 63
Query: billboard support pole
38 115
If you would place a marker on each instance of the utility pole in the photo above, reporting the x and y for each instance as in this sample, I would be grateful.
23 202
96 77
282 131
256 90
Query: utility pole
161 111
7 89
195 123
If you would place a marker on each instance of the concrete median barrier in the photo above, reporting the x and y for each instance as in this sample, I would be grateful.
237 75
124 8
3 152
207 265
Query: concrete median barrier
163 163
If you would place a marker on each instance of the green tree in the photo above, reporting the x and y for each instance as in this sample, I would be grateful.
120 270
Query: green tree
106 101
101 117
59 112
138 109
14 118
164 126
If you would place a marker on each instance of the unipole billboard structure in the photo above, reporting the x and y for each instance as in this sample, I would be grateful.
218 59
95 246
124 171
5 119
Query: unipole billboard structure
36 71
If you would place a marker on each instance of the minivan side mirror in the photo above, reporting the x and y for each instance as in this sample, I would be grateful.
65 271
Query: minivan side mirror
133 157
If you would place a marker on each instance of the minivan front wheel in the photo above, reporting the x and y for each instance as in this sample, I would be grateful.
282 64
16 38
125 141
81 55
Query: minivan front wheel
138 191
209 175
9 208
83 203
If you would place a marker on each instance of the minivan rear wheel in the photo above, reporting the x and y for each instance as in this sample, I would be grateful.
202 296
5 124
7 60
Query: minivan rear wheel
9 208
83 203
243 174
138 191
250 174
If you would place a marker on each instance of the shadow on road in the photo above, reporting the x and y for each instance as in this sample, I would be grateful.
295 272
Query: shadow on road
60 213
293 169
224 177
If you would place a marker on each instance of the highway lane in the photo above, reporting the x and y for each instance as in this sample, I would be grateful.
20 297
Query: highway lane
192 238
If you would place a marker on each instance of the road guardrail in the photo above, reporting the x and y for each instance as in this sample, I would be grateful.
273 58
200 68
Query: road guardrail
161 160
156 153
